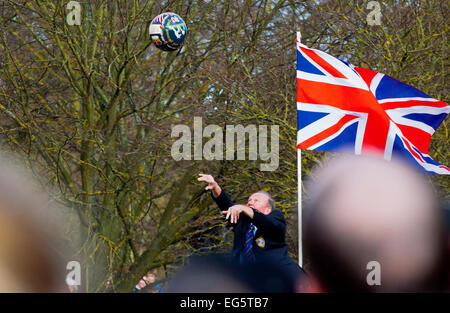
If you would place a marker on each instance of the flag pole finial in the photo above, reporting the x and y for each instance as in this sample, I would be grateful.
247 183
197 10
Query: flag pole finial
299 36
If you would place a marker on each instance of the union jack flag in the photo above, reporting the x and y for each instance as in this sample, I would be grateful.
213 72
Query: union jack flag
342 107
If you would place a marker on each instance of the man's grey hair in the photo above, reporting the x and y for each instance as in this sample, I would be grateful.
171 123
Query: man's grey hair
271 201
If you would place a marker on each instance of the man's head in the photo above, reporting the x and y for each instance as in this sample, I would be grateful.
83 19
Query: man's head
147 279
31 249
364 209
262 201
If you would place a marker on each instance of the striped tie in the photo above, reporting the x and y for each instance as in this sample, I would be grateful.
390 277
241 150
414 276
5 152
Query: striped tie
248 247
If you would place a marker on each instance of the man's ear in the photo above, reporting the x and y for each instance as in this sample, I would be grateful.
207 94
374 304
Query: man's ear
267 210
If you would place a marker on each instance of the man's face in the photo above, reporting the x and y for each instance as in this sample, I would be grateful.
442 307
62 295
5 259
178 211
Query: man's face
260 202
146 280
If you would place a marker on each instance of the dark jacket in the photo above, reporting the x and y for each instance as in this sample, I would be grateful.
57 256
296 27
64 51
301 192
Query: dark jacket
269 245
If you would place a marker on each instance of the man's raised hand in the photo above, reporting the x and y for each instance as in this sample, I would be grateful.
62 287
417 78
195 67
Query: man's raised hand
233 212
211 184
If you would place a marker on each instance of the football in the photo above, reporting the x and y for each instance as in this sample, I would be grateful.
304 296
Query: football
168 31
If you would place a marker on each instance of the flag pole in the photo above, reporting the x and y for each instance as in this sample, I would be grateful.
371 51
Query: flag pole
299 191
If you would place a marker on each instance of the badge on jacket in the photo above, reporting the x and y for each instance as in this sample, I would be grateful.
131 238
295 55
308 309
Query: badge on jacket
260 242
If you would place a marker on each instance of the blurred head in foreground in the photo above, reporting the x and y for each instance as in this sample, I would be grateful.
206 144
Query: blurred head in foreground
217 274
364 209
28 261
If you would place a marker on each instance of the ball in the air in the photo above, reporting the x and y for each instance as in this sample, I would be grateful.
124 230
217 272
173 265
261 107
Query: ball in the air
168 31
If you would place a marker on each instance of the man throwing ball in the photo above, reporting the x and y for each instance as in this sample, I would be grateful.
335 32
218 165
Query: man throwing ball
259 228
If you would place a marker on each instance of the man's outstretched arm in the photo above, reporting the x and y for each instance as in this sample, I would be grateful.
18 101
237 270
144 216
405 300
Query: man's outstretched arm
219 196
224 202
274 222
211 184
